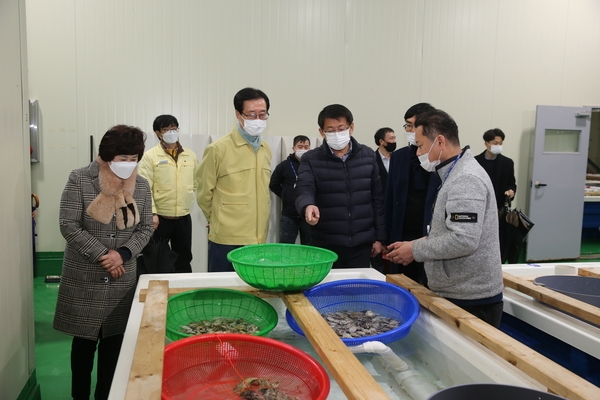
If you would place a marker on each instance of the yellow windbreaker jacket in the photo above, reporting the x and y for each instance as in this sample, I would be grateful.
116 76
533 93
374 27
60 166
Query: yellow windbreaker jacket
233 190
172 184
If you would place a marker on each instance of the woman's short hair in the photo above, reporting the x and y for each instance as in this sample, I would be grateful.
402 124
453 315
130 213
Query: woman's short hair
122 140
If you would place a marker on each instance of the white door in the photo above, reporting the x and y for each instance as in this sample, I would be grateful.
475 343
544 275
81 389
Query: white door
558 182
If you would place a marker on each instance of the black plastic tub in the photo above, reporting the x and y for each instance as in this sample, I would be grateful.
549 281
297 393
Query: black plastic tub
582 288
491 391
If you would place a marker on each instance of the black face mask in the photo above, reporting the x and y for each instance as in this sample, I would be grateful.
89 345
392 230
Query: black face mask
390 147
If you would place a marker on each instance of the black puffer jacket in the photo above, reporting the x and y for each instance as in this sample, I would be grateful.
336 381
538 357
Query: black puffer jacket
348 194
283 181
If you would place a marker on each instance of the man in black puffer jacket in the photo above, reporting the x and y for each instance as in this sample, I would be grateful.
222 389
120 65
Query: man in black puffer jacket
339 192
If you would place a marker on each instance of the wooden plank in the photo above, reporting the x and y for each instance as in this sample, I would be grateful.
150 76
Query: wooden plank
557 379
247 289
145 377
592 272
563 302
529 278
349 373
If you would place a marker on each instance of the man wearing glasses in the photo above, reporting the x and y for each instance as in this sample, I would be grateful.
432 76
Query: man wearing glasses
339 192
233 182
170 170
409 196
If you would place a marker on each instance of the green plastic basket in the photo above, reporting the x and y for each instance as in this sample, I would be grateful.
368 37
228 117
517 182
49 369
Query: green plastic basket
206 304
282 267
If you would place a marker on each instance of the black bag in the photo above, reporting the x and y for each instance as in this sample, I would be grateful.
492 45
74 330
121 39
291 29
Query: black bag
514 226
520 221
156 258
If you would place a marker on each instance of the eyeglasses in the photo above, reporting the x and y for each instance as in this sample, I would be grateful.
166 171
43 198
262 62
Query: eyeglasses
263 116
339 129
169 128
408 127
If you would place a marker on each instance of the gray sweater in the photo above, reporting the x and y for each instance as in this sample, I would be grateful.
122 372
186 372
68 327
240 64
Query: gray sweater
462 252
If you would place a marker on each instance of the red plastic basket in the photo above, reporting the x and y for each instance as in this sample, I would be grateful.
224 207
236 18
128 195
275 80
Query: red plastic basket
209 366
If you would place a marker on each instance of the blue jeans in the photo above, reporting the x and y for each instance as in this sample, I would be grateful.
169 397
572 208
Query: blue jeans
217 257
289 227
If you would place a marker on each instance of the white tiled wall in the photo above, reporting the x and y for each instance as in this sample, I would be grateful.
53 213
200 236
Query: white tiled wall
93 64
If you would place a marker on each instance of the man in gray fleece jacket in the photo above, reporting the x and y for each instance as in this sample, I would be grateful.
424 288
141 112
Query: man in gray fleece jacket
461 252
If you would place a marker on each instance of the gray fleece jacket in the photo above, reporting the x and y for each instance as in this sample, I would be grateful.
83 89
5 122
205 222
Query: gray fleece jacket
462 251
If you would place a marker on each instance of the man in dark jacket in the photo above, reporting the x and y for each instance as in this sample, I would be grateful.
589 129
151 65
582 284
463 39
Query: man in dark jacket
283 182
385 140
501 170
409 197
339 192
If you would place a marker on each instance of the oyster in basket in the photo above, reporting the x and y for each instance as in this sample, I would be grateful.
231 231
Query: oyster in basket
356 324
220 325
260 389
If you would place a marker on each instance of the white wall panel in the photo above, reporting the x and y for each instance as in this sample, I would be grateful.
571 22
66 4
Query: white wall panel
487 62
17 338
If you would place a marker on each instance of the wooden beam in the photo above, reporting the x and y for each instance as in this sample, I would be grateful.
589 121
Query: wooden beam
247 289
349 373
592 272
563 302
557 379
145 377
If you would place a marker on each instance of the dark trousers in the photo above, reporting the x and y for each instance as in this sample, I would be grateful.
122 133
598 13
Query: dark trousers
380 264
82 364
217 257
490 313
289 227
179 233
350 257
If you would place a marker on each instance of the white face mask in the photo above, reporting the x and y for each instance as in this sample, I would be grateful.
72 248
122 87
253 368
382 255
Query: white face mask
496 149
410 137
254 127
170 137
338 140
122 169
427 165
299 153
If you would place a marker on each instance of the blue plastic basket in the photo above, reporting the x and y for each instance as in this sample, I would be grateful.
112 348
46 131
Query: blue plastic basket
384 298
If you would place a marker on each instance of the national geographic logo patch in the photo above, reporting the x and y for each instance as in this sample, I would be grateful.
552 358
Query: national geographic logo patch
463 217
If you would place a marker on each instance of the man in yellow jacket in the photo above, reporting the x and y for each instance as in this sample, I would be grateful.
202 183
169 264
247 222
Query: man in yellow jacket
233 182
171 170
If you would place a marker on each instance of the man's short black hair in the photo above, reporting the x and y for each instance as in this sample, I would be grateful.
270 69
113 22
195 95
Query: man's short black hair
380 135
164 121
418 109
437 122
248 94
301 138
491 134
335 111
